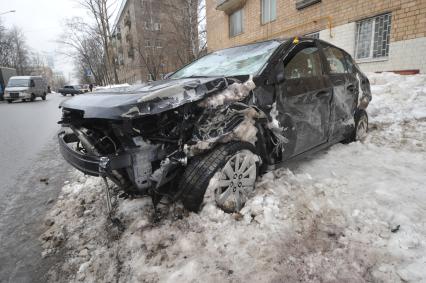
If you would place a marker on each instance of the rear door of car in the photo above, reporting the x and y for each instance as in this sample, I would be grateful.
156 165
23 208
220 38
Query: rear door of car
303 100
345 91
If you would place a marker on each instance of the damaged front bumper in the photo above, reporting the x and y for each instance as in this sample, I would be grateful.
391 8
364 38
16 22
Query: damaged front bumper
90 164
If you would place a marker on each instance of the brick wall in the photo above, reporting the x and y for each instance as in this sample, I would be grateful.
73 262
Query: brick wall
408 19
149 59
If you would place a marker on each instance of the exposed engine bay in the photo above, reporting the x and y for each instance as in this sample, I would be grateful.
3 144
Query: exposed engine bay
141 153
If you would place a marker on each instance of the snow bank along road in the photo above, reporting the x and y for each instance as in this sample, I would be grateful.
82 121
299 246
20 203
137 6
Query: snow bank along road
352 213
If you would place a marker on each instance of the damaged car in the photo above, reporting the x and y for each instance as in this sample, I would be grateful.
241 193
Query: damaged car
218 122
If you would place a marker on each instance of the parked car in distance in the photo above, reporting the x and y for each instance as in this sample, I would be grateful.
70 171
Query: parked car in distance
219 122
70 89
25 88
5 75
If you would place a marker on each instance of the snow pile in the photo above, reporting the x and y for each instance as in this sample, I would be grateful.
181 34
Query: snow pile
352 213
111 86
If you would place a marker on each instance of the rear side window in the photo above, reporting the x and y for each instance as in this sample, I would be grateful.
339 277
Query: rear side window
305 64
335 59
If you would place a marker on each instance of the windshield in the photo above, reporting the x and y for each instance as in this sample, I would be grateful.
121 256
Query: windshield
243 60
18 83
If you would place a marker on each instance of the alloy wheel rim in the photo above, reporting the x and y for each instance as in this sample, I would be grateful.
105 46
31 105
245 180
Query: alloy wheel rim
236 181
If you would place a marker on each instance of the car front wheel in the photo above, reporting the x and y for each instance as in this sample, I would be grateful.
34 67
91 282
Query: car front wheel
229 170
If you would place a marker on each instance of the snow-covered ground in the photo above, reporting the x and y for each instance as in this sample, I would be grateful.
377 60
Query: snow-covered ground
352 213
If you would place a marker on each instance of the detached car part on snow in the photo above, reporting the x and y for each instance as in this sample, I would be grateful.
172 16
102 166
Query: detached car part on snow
219 121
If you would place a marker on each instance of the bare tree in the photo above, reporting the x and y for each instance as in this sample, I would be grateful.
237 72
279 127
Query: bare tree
14 51
101 10
190 28
85 46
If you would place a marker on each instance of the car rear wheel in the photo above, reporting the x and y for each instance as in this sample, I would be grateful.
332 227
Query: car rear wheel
361 125
44 96
229 171
32 97
9 101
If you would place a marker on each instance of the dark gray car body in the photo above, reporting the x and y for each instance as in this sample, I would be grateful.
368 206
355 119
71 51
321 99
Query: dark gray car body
312 113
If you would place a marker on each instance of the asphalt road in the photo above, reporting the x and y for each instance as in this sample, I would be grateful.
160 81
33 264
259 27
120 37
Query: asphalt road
28 153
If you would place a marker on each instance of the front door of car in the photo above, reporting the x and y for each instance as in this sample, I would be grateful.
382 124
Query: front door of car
303 100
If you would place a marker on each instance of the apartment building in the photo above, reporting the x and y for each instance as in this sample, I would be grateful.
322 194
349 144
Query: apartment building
150 39
382 35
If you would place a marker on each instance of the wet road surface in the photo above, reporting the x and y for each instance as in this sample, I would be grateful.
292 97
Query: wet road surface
28 153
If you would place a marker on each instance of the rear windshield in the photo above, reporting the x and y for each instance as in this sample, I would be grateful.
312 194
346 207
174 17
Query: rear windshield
18 83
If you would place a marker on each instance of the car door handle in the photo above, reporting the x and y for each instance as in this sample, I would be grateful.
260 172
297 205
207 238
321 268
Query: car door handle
321 94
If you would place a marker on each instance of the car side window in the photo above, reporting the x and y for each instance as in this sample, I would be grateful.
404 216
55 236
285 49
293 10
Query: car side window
350 64
305 64
336 60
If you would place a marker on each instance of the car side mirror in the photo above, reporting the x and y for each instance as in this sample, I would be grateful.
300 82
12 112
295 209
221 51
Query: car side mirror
277 76
166 76
280 77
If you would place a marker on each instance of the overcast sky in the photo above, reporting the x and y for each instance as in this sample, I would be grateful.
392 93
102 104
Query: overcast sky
42 23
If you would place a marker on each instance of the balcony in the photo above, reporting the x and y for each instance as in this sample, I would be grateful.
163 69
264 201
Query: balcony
229 6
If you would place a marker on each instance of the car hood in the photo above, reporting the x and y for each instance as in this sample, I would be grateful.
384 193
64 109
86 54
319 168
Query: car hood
16 89
145 99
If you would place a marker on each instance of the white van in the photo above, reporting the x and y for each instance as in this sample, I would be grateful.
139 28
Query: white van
25 88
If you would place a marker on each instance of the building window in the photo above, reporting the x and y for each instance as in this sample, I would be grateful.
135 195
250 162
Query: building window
236 23
269 11
300 4
313 35
373 37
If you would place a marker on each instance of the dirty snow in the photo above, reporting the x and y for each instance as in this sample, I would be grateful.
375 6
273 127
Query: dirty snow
352 213
111 86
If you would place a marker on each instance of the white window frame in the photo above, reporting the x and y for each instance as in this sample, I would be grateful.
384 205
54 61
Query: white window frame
370 56
241 11
270 13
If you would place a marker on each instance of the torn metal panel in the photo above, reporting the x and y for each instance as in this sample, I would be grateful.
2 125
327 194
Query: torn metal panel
147 99
233 93
233 123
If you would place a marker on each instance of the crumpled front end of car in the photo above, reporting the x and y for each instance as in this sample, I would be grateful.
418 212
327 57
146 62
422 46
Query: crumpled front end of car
144 153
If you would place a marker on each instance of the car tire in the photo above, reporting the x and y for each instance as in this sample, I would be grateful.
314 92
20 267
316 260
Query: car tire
232 189
43 96
9 101
32 97
361 125
64 94
72 94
